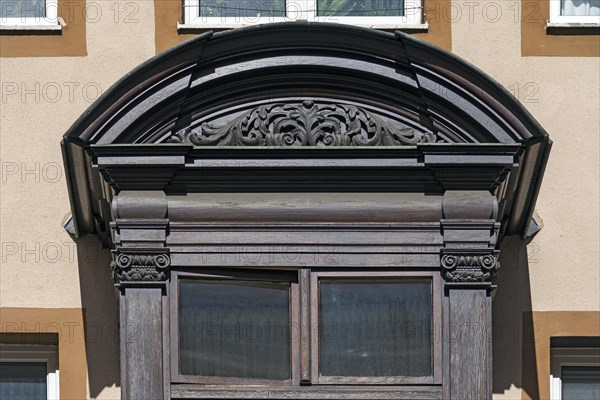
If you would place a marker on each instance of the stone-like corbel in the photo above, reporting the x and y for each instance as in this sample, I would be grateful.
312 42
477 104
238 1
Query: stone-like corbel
470 230
139 227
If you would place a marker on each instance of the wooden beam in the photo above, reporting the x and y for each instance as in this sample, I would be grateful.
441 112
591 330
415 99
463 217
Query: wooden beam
308 392
141 344
470 341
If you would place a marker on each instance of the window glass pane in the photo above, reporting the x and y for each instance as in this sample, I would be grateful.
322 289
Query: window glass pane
234 329
22 9
358 8
240 9
581 383
23 380
375 327
580 7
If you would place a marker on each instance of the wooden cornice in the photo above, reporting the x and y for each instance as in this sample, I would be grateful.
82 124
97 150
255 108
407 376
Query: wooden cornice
305 107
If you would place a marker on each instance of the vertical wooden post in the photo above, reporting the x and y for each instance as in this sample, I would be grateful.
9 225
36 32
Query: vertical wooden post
141 269
305 339
468 265
469 338
141 344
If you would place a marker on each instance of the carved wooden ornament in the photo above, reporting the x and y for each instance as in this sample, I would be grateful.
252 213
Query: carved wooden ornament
304 124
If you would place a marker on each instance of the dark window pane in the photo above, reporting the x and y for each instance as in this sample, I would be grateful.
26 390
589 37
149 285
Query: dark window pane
23 380
360 8
242 8
581 383
234 329
22 8
375 327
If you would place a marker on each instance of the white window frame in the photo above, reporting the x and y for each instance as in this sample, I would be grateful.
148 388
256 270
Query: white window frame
49 22
297 10
36 353
569 357
557 18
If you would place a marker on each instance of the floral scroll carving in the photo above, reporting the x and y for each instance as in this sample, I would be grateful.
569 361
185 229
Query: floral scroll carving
469 268
304 124
140 268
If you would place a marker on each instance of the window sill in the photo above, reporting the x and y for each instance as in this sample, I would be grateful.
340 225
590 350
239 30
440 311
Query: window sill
31 29
195 28
306 392
572 28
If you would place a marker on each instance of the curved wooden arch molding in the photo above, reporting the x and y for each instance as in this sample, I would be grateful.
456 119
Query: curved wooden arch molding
316 107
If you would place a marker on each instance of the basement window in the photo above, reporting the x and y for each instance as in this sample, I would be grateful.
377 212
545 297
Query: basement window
575 368
29 372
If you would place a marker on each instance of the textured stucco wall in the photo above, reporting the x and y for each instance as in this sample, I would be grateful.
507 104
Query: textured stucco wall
563 94
560 270
41 97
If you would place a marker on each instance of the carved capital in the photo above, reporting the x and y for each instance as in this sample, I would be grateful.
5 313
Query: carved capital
141 268
469 267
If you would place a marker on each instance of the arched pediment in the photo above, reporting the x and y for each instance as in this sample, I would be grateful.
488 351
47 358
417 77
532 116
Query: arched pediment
425 87
425 120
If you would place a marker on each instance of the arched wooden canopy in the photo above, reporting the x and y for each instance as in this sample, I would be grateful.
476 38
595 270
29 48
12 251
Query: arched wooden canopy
305 107
309 148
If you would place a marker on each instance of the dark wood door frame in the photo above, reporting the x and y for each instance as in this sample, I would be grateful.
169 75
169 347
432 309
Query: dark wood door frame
325 233
310 147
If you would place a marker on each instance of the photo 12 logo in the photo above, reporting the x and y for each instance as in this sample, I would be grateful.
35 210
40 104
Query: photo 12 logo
49 92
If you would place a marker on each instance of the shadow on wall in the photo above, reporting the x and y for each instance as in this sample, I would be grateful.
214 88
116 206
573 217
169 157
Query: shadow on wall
512 317
101 314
